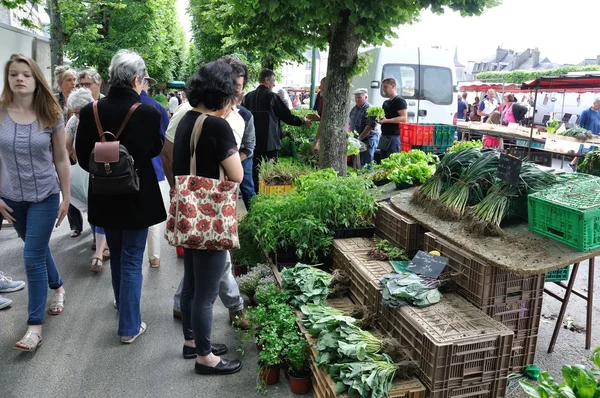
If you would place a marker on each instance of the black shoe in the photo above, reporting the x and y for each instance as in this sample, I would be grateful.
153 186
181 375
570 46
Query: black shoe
217 349
224 367
176 314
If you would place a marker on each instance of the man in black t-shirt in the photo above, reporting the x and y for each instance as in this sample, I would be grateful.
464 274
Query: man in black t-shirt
395 113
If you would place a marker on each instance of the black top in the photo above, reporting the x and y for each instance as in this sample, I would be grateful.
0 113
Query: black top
216 143
268 109
142 138
391 108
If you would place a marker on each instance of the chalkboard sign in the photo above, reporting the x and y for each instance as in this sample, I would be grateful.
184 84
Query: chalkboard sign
509 169
427 264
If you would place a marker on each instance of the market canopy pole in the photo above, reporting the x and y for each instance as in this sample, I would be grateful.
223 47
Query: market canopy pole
532 123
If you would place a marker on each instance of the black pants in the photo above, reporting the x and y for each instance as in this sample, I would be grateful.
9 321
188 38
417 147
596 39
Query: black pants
75 219
202 273
258 157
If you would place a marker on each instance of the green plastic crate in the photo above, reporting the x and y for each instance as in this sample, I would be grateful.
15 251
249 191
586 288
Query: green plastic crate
570 214
559 275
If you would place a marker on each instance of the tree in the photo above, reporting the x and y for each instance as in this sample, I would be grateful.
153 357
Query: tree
520 76
344 26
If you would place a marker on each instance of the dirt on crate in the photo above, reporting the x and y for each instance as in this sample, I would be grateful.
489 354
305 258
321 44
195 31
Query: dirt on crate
517 250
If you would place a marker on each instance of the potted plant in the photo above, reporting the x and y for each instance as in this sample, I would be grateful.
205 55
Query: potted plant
552 126
294 354
269 358
278 176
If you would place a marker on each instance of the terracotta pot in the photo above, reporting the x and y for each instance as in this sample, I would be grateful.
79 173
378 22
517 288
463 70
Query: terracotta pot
270 375
301 383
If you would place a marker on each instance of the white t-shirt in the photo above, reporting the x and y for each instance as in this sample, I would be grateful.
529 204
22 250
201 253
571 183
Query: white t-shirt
173 104
235 120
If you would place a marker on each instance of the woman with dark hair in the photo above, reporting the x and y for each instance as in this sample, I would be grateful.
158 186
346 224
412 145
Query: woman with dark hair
32 153
211 92
125 217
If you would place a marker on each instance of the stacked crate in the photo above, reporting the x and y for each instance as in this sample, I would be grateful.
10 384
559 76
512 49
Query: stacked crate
363 272
459 349
399 230
514 300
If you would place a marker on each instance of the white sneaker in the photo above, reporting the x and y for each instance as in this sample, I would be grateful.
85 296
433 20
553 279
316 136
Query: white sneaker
7 285
4 302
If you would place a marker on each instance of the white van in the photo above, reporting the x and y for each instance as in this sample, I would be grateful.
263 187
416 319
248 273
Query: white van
425 78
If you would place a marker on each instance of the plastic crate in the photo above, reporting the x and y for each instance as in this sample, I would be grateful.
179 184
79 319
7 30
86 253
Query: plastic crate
491 389
484 285
277 189
353 245
523 352
454 343
569 213
559 275
535 156
521 315
399 230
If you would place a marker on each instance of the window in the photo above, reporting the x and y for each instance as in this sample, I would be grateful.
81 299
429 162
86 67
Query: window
435 82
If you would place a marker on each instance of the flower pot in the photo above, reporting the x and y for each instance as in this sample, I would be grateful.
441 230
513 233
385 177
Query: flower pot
270 375
300 383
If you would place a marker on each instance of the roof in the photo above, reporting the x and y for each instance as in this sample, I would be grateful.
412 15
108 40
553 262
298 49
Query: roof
585 83
478 86
588 62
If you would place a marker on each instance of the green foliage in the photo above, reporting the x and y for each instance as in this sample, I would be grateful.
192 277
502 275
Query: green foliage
257 276
393 253
306 284
162 99
376 112
307 181
294 353
520 76
95 30
282 172
591 163
460 145
580 382
405 167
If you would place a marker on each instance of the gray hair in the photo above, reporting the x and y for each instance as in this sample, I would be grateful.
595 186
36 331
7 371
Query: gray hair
79 98
61 71
90 74
597 100
125 66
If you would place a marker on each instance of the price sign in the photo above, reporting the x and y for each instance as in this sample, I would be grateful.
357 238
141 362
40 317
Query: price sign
509 169
427 264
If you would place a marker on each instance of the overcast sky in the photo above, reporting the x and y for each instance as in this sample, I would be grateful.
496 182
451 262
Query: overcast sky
565 31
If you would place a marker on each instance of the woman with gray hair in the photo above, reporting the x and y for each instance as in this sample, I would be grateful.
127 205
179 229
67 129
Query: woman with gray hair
125 217
80 178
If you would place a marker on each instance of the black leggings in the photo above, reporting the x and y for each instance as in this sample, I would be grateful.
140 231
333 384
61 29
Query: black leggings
203 271
75 219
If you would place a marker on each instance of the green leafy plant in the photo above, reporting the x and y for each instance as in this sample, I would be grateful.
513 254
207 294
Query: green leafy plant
385 251
580 382
305 182
578 132
282 172
554 123
261 274
294 353
162 99
376 112
352 144
364 379
591 163
406 167
460 145
306 284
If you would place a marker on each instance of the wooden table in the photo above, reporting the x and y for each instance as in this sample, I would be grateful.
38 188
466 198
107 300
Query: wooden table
519 251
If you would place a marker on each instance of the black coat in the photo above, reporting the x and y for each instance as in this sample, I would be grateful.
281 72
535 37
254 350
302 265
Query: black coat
519 111
143 140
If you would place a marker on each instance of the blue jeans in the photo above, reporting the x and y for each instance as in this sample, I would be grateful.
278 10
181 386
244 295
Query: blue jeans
392 148
247 186
367 156
126 258
34 223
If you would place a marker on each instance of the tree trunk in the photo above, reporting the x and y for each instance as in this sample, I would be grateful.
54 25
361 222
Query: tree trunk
343 52
57 35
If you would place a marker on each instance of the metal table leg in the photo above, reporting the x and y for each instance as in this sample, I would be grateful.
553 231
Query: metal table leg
563 307
590 305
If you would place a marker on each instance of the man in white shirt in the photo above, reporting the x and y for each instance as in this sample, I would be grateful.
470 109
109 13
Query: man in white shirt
173 104
488 105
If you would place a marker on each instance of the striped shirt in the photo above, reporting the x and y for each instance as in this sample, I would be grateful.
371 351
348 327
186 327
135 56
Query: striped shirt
359 120
27 172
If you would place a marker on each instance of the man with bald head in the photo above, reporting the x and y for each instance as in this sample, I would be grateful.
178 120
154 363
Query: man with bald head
488 105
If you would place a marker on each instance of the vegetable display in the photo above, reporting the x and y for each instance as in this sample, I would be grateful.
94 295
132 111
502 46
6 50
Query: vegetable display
460 145
404 288
385 251
471 186
376 112
489 213
305 284
365 379
578 132
447 170
591 163
282 172
406 167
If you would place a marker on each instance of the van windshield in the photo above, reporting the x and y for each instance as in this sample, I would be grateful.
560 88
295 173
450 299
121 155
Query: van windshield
436 82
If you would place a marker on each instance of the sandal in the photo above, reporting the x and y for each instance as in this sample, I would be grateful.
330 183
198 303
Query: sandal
96 265
30 342
58 304
75 233
105 254
131 339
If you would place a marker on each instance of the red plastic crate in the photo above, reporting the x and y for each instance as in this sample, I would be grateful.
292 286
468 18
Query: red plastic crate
454 343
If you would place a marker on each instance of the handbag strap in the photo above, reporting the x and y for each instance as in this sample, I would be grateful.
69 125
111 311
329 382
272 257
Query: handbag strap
123 124
196 132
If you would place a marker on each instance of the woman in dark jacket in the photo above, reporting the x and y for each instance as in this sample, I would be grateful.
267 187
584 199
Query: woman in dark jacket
212 92
126 217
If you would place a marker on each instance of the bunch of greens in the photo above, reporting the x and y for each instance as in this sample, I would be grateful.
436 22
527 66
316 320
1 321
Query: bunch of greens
353 145
420 172
306 284
347 342
282 172
580 382
487 215
305 182
446 172
259 275
407 288
385 251
578 132
375 112
297 133
591 163
406 167
370 379
470 187
554 123
460 145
